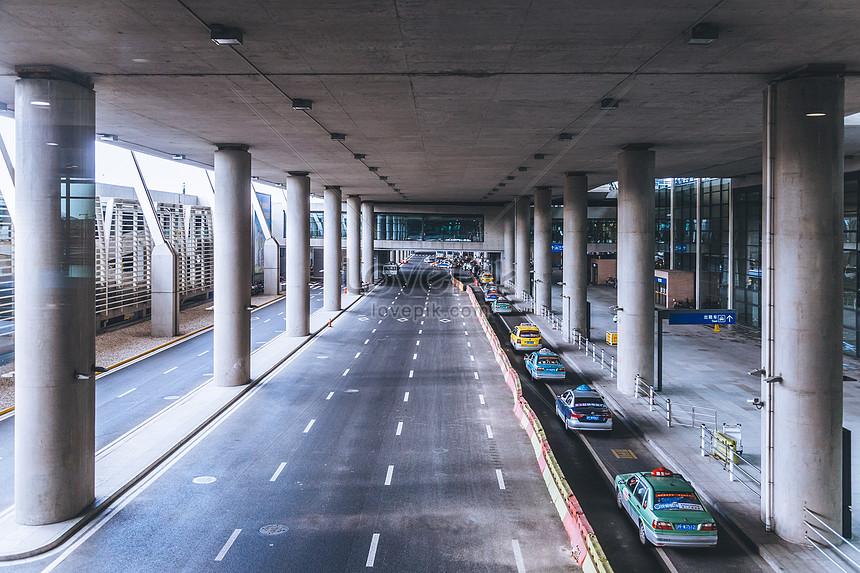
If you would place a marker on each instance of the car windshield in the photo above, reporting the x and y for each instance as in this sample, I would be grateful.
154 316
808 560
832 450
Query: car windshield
547 361
685 501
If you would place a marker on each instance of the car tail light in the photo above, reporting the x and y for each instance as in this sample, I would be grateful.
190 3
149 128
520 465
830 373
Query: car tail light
539 369
608 414
661 524
560 369
576 415
708 527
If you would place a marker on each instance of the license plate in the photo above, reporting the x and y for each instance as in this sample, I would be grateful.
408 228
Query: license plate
594 418
686 526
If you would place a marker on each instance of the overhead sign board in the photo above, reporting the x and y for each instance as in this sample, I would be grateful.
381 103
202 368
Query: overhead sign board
556 247
718 316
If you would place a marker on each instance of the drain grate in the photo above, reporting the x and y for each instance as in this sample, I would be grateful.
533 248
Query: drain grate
274 529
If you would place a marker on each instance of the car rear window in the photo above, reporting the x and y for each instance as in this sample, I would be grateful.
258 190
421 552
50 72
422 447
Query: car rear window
547 361
589 402
529 333
677 500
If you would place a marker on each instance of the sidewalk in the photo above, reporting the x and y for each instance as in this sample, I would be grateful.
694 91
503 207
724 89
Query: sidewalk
703 368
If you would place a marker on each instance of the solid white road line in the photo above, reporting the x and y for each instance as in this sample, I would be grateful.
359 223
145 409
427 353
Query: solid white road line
204 352
406 397
481 398
127 392
330 394
308 427
345 372
389 475
500 479
399 429
371 555
227 545
281 468
172 369
489 432
518 556
411 372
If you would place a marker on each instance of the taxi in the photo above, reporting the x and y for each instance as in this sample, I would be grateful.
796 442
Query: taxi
582 408
486 278
491 294
502 306
444 264
544 364
666 509
526 337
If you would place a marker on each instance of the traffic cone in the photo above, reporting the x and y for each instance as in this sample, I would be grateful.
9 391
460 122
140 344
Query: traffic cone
716 328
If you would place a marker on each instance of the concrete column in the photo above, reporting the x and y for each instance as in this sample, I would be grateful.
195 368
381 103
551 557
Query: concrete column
802 334
353 244
523 238
271 267
574 255
635 266
297 293
165 291
368 225
332 254
508 255
543 249
233 265
54 298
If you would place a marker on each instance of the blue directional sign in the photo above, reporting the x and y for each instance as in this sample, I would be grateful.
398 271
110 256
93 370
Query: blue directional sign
720 316
557 247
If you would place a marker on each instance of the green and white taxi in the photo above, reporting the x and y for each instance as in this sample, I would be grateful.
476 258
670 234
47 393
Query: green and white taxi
666 509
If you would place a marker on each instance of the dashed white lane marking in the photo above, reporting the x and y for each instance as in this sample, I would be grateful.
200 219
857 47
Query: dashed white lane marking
281 468
472 358
467 332
204 352
280 314
345 372
366 341
415 356
481 398
489 432
389 475
308 427
330 394
417 343
357 354
267 320
380 321
371 555
518 556
372 331
127 392
464 323
469 344
399 429
476 375
172 369
422 323
406 397
411 372
227 545
420 331
500 479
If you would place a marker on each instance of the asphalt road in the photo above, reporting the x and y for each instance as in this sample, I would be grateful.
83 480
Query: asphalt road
618 451
387 443
130 395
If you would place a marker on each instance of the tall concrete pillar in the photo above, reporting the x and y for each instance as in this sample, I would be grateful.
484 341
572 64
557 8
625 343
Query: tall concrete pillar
297 293
802 333
574 255
508 255
332 242
635 266
54 297
522 206
231 219
543 249
164 317
368 225
353 244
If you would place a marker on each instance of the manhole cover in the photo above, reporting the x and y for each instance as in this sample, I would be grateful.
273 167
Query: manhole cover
274 529
171 397
351 390
204 479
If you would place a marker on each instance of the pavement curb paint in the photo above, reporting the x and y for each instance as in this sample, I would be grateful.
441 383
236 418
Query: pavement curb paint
586 548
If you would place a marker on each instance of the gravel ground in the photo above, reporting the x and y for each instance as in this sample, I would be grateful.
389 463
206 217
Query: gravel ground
124 342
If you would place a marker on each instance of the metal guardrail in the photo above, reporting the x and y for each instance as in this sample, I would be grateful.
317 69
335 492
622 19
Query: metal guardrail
582 342
727 458
675 413
818 528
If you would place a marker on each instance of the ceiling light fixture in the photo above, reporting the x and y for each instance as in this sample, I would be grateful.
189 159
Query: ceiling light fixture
225 36
511 177
522 168
338 136
107 137
703 34
383 177
373 168
816 114
302 104
502 184
178 156
565 136
609 103
39 103
539 156
358 156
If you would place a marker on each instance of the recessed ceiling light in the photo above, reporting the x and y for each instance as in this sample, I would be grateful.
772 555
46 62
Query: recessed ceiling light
539 155
178 156
52 144
108 137
522 168
373 168
302 104
358 156
139 60
511 177
502 184
609 103
703 34
225 36
816 114
338 136
40 103
383 177
565 136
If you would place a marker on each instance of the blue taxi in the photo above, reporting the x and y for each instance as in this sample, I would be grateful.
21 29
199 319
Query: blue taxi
582 408
544 364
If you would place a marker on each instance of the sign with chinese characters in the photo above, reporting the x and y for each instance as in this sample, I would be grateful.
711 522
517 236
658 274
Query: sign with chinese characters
702 317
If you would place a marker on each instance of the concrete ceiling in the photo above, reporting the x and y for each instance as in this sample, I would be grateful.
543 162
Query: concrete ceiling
447 98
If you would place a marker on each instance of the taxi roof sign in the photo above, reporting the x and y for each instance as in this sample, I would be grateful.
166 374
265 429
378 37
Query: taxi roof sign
662 472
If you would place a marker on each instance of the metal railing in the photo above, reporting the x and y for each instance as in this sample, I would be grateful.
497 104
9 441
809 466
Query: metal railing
818 528
582 342
727 458
554 320
675 413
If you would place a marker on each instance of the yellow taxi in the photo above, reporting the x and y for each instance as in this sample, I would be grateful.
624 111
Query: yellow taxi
487 278
526 337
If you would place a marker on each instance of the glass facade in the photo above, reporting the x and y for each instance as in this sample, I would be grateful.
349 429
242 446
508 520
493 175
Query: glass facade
317 224
599 230
662 227
850 324
409 227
